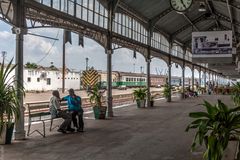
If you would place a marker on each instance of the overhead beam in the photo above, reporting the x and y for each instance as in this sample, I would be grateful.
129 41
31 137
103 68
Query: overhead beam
232 4
189 20
114 4
155 19
212 11
195 21
225 18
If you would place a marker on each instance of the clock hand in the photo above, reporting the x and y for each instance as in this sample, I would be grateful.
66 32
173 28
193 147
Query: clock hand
183 4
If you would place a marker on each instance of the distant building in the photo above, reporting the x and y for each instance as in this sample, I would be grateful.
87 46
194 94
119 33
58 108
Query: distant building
49 78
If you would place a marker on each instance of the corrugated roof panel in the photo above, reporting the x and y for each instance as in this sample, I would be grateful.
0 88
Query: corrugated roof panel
221 7
149 8
185 35
172 22
193 12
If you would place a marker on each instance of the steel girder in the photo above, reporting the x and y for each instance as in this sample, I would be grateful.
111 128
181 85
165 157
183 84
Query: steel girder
47 16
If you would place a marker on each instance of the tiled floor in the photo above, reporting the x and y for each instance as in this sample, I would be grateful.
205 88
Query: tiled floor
133 134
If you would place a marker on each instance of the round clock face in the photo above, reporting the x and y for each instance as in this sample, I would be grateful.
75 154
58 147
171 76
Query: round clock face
181 5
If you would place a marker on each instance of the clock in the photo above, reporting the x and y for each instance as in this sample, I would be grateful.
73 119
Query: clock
181 5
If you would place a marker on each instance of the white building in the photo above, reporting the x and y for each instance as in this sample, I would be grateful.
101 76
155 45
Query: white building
44 79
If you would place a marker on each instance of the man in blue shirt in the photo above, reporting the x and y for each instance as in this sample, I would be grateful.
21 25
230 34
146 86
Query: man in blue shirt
75 108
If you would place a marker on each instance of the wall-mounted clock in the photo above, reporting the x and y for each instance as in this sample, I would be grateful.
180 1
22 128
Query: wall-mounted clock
181 5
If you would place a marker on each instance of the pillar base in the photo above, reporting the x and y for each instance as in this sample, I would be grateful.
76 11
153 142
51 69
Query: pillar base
110 114
20 135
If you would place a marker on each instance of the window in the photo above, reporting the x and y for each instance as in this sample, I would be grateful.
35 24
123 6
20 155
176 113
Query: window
28 79
48 81
38 79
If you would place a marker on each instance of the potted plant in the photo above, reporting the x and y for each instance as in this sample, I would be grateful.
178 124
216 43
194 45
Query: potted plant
215 127
167 92
152 97
140 96
9 102
96 99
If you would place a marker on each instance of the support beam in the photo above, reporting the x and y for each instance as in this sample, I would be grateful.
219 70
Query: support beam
157 18
212 11
19 129
169 76
195 21
148 60
193 77
200 80
205 79
63 63
109 82
109 52
169 99
183 79
189 20
114 4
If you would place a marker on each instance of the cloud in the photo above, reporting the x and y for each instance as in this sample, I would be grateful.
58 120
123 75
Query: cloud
5 35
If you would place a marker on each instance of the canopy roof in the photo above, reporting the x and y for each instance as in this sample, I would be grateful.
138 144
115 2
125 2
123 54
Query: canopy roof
219 15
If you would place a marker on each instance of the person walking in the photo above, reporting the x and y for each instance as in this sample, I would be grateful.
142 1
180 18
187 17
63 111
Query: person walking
75 107
55 110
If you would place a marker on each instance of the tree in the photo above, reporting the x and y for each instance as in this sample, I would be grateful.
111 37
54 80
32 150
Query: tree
31 65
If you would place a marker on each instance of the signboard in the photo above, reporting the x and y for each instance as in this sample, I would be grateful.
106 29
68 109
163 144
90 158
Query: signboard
215 42
89 78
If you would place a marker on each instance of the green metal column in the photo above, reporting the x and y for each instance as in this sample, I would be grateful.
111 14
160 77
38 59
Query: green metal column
20 22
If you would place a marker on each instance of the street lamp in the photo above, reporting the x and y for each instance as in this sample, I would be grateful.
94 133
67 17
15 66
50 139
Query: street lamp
133 67
86 63
4 53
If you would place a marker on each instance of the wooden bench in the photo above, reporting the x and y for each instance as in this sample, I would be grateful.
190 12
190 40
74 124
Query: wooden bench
39 112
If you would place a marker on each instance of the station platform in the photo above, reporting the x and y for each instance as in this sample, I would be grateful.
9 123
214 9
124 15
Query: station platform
156 133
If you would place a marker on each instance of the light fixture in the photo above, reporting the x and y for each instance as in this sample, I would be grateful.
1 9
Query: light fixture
202 7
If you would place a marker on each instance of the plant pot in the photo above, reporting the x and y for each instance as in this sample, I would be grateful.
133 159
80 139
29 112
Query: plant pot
9 133
141 103
6 135
3 134
100 112
151 103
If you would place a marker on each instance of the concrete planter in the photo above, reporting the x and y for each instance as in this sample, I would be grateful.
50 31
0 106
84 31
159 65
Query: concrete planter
6 135
100 112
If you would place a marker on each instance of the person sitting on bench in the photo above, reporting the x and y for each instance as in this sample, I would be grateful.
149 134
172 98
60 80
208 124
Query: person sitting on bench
56 112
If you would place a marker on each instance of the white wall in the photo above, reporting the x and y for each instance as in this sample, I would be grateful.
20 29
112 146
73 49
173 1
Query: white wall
72 80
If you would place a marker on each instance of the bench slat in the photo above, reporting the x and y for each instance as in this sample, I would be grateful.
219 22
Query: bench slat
40 114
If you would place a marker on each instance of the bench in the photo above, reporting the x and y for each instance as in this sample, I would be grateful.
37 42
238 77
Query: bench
39 112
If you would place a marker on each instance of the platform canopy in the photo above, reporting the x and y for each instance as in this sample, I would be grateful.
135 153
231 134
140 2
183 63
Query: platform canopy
220 15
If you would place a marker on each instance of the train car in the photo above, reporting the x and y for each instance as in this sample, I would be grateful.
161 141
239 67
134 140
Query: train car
132 79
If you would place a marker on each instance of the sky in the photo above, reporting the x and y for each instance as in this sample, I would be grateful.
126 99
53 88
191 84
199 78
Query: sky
46 51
